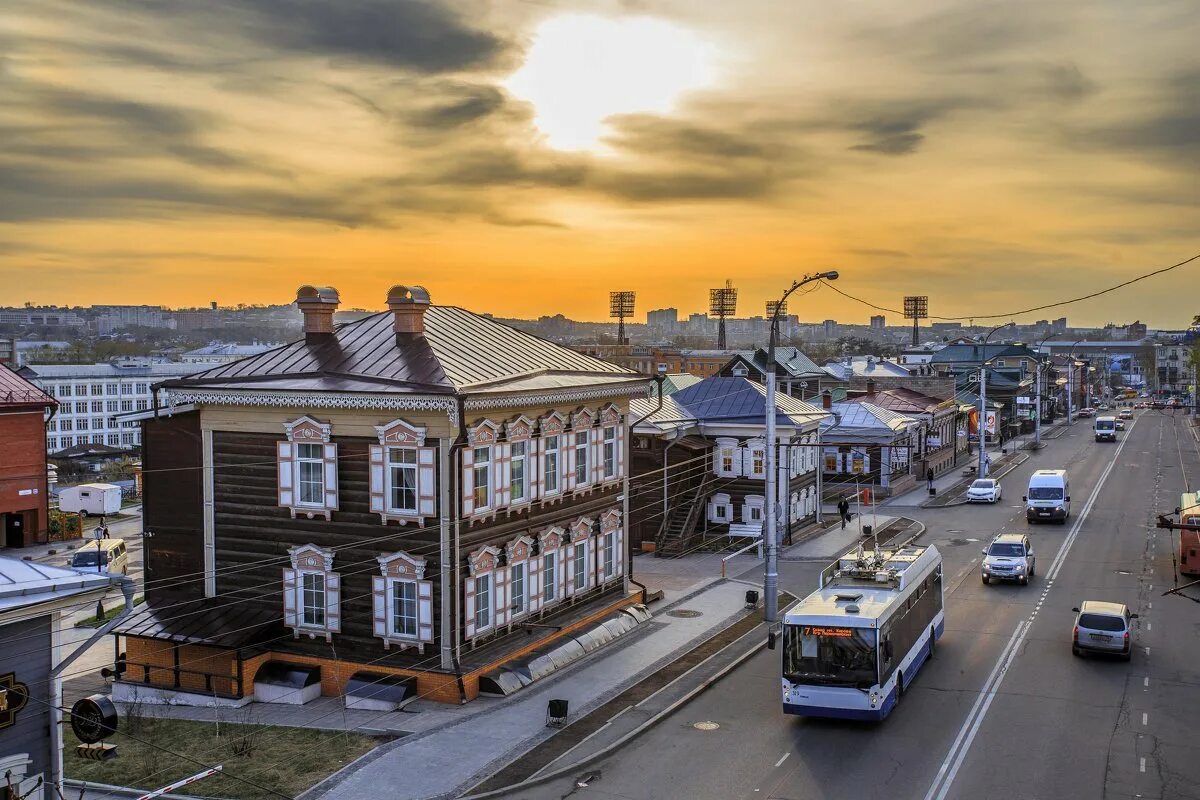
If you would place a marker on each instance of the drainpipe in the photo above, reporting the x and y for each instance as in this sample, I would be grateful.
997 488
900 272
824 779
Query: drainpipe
444 556
458 445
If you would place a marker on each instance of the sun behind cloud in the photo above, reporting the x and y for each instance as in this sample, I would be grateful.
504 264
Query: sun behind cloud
582 69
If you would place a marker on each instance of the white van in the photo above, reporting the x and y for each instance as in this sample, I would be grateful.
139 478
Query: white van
106 556
1048 497
1106 429
95 499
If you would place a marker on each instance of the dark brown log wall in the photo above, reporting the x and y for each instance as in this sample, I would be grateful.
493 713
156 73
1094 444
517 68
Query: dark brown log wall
173 506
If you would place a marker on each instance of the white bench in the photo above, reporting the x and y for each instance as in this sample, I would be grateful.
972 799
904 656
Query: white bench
745 531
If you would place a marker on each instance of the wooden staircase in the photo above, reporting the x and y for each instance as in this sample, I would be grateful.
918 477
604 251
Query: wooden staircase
677 534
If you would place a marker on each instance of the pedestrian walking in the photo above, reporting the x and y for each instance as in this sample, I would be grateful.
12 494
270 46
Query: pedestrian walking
104 531
929 477
843 508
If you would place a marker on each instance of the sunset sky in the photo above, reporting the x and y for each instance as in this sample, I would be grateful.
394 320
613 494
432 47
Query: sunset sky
524 158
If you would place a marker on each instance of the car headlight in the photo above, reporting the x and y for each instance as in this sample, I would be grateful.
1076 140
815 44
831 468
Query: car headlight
1058 508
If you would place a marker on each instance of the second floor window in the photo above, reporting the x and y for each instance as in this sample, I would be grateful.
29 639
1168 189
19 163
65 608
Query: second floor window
517 588
550 465
610 554
402 479
517 472
580 567
610 453
127 405
758 462
483 474
581 458
311 474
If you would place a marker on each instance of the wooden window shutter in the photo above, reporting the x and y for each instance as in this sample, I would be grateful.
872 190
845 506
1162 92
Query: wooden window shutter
377 480
500 594
533 581
620 449
591 562
285 455
333 602
468 482
427 481
379 607
597 463
534 467
469 606
425 611
291 616
502 478
331 476
567 456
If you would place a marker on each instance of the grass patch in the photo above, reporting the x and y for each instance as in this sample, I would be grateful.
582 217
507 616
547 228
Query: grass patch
92 622
288 760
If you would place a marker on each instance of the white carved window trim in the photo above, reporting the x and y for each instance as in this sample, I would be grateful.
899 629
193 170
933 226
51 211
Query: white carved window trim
311 560
727 449
484 567
750 504
611 526
552 428
520 449
756 456
397 435
306 431
519 553
552 544
581 549
483 439
396 569
721 501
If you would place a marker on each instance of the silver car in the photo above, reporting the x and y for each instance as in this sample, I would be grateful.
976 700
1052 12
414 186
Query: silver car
1103 628
1008 558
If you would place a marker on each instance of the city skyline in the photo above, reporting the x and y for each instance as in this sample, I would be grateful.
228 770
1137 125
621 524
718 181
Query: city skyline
987 158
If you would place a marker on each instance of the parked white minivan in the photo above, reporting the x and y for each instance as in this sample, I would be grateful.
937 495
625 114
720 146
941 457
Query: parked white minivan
106 556
1048 496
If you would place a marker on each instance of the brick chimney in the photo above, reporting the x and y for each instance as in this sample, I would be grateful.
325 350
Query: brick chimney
870 386
317 304
408 305
826 400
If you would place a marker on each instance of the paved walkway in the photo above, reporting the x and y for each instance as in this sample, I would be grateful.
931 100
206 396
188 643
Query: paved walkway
447 759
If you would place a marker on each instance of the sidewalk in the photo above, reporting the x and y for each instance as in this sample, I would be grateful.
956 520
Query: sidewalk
462 747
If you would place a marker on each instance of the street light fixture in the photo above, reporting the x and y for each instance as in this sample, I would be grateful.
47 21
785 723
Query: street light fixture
771 504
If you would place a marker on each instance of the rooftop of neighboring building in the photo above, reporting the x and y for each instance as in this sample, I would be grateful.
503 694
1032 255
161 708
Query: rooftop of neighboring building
24 584
902 400
16 390
974 353
742 401
865 367
865 415
230 349
679 380
165 369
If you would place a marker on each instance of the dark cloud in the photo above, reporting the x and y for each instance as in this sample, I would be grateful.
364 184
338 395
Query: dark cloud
894 127
460 105
1168 132
1065 82
686 184
664 136
415 35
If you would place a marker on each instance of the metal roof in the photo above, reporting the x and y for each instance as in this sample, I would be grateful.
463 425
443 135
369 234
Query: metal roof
647 416
66 371
27 583
235 625
864 416
459 352
16 391
740 400
905 401
866 367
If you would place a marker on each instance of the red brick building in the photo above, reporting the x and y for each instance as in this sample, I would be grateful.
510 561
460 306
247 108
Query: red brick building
24 491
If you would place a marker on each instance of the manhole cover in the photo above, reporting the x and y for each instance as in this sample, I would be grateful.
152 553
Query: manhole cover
705 726
687 613
957 542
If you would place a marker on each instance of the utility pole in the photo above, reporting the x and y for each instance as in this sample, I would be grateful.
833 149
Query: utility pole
981 470
771 562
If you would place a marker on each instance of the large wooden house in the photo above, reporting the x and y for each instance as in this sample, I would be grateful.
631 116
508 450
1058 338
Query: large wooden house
413 499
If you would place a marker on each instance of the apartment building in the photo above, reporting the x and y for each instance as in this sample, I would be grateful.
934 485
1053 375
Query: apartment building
92 396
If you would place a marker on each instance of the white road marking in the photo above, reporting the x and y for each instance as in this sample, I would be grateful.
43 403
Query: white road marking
1149 605
946 773
1147 651
1145 719
1146 682
783 759
1149 625
1142 765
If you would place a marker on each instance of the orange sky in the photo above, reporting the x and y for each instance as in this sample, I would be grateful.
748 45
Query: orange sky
524 160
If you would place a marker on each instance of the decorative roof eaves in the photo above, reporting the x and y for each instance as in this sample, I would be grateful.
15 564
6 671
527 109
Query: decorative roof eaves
514 399
340 400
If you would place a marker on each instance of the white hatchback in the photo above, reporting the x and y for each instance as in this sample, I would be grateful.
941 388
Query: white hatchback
984 490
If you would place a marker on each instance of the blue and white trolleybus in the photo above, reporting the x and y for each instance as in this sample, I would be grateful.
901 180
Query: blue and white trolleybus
852 647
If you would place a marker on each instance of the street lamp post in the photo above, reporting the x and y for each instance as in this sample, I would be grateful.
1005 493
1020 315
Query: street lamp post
981 470
770 504
1070 381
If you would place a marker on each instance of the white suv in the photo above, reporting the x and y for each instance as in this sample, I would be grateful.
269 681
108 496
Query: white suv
1009 558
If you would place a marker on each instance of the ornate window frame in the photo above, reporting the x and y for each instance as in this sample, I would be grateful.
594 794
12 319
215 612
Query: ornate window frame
484 565
305 430
402 568
309 559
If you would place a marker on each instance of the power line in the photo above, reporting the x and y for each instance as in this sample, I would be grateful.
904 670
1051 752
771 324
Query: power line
1007 314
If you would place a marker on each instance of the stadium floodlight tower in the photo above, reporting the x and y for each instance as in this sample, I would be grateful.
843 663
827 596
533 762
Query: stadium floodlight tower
620 306
722 303
776 307
916 308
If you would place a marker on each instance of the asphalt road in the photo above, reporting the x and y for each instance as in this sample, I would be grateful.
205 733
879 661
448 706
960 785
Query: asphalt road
1003 710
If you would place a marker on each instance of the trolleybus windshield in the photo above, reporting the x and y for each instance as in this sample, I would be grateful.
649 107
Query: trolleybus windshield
819 655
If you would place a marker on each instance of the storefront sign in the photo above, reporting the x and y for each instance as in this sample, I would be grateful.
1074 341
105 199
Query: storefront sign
93 718
13 697
933 442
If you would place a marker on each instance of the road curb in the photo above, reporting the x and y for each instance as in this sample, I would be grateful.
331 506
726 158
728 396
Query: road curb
621 742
